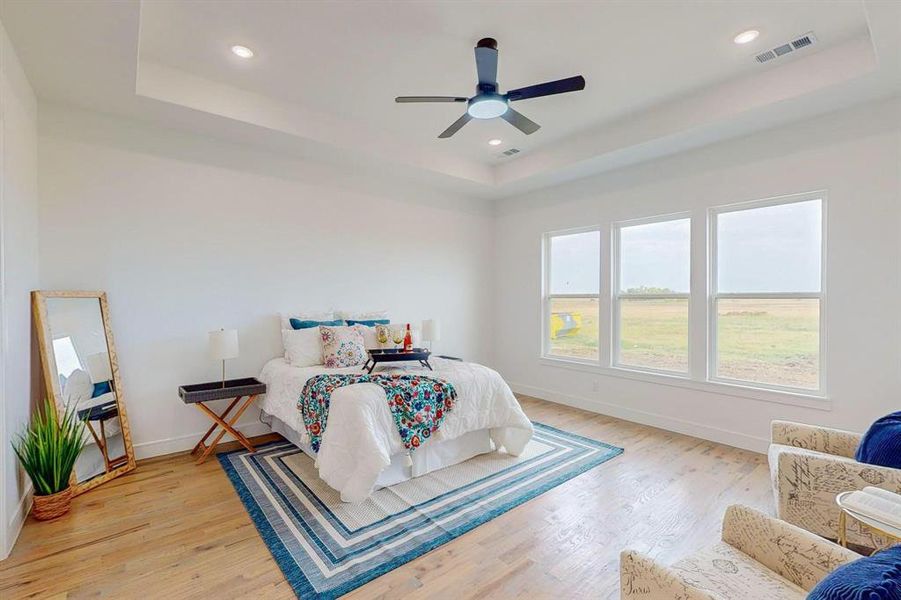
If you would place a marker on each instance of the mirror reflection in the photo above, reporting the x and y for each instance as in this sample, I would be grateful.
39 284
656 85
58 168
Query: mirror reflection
82 365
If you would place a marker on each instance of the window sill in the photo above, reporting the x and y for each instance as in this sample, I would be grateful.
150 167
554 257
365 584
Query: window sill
711 387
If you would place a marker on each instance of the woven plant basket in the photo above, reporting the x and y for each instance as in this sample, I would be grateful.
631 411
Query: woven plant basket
52 506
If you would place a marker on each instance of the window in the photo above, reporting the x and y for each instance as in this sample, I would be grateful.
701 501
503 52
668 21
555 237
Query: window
651 294
760 325
766 293
66 356
572 281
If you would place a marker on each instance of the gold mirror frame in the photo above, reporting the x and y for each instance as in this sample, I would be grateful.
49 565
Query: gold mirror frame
51 382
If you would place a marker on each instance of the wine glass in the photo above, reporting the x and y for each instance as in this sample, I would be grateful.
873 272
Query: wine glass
398 337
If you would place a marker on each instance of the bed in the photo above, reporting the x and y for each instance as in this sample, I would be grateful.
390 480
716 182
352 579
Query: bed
361 449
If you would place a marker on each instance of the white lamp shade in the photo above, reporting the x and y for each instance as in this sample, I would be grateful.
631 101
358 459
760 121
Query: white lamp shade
224 344
98 367
431 330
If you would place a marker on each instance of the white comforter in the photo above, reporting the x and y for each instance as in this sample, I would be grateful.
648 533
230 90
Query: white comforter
361 435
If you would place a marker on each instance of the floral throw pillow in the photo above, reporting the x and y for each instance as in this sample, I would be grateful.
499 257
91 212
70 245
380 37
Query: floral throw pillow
342 347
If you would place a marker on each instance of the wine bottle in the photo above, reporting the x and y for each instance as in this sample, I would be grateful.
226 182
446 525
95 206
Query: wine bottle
408 340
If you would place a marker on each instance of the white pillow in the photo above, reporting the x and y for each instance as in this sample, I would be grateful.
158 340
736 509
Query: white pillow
78 389
361 316
370 340
415 329
342 347
303 347
310 315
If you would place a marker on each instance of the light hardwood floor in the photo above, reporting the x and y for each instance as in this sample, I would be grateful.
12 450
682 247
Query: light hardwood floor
173 530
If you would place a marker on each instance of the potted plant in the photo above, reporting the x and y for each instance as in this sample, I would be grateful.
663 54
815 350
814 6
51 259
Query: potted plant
47 451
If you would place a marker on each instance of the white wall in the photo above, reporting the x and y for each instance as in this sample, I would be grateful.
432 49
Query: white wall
188 234
18 276
855 155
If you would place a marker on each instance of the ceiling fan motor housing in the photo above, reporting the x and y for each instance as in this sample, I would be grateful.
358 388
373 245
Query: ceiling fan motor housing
487 43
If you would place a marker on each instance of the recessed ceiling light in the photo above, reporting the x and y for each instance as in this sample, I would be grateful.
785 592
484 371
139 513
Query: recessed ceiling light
495 142
242 51
746 36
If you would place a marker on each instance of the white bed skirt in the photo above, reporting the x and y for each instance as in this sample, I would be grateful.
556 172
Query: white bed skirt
430 457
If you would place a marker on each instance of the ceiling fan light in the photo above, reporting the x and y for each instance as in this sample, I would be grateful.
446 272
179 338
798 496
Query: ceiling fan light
487 108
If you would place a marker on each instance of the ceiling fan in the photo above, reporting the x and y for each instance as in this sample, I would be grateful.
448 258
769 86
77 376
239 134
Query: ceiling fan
488 103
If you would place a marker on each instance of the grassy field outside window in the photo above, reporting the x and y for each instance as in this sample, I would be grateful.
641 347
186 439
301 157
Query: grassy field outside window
770 341
653 333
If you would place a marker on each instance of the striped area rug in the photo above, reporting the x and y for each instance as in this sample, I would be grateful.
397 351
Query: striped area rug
326 548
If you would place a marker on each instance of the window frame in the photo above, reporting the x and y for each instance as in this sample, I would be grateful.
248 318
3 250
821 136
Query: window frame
617 295
714 295
547 296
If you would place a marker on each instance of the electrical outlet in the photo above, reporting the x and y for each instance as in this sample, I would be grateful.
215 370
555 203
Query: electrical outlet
596 385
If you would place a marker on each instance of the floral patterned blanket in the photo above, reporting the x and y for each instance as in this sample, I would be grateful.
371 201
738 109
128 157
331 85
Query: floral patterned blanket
418 404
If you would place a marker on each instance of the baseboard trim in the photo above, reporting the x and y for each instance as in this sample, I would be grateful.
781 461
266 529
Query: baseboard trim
714 434
17 520
186 442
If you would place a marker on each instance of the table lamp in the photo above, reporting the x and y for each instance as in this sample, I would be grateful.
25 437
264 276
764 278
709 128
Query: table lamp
98 367
431 331
224 345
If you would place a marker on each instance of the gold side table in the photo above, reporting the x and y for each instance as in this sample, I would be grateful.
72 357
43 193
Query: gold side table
889 531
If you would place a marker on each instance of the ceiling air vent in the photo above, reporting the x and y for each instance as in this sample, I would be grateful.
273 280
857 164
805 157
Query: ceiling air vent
808 39
510 152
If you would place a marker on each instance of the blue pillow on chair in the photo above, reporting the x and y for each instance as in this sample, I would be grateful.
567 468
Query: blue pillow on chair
881 444
876 577
101 388
368 322
300 324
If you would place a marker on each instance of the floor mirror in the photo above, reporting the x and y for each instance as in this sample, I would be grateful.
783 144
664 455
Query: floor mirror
81 372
